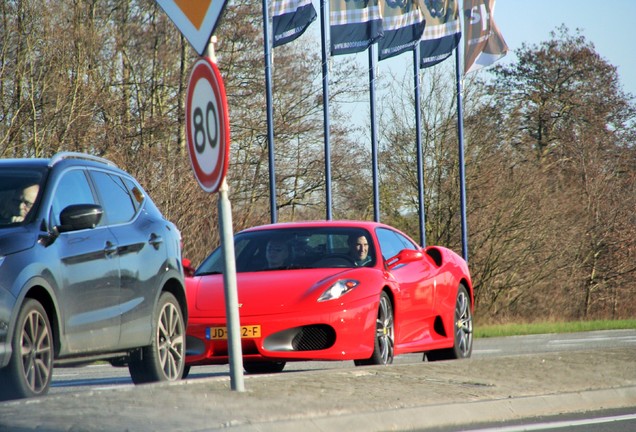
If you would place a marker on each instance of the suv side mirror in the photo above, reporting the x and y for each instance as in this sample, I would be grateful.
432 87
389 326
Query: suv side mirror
403 257
80 216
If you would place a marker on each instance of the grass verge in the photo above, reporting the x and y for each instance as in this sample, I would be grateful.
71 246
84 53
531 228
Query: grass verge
556 327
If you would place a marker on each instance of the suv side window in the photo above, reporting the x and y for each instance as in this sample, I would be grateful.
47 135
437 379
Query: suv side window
73 188
117 203
135 192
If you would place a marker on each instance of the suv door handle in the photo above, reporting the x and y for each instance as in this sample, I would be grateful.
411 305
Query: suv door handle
110 249
155 240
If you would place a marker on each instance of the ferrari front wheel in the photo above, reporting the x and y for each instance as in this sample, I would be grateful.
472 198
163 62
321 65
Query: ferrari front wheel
462 331
384 333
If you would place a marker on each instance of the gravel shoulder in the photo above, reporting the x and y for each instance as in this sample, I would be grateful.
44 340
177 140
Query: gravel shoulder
398 397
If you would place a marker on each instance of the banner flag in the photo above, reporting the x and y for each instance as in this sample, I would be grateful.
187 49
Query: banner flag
483 44
290 19
442 32
403 24
354 25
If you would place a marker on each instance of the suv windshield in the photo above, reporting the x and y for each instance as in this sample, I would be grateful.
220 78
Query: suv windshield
19 192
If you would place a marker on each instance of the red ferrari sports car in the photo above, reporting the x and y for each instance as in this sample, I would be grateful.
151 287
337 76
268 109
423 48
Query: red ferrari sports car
331 290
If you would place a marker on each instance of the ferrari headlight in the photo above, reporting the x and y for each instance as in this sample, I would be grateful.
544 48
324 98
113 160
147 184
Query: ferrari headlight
338 289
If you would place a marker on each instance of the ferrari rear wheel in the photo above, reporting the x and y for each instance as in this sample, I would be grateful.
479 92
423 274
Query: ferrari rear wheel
263 367
463 331
384 332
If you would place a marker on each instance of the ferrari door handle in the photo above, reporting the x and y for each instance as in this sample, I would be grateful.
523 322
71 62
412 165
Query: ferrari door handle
155 240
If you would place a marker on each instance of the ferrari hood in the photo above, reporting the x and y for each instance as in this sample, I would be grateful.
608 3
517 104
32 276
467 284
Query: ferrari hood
267 292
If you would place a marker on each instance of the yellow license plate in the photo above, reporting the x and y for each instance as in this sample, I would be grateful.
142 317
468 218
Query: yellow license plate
247 332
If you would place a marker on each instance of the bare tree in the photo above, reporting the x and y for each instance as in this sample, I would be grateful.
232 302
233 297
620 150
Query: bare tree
574 125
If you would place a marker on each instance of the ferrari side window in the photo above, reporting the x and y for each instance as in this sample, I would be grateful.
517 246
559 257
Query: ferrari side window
408 244
390 244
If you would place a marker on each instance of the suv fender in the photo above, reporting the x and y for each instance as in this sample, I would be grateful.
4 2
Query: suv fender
37 288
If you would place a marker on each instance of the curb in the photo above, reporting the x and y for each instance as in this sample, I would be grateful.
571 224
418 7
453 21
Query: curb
448 415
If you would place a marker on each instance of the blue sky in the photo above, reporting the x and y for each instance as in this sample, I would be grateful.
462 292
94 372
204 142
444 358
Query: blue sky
608 24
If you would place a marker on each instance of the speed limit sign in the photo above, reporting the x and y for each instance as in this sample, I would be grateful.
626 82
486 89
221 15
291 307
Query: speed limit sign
207 125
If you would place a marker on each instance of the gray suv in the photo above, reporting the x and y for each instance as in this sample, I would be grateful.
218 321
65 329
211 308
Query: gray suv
89 270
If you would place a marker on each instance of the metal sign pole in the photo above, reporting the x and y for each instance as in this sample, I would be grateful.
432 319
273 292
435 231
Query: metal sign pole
197 25
235 352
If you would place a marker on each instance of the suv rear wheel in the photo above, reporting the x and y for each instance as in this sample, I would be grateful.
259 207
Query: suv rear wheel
30 368
164 359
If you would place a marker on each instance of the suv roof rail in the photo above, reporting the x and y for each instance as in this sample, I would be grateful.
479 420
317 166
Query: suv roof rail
76 155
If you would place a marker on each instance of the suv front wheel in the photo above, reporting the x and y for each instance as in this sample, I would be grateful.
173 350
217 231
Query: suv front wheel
164 359
29 371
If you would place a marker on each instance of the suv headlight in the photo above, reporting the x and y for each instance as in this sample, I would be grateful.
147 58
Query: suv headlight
338 289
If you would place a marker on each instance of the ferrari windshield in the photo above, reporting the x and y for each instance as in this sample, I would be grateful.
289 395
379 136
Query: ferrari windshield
297 248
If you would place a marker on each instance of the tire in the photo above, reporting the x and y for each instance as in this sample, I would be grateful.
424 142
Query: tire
30 367
263 367
463 331
186 372
384 334
164 359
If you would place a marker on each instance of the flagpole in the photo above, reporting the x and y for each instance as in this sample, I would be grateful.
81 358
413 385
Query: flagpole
374 138
324 19
418 140
479 35
270 113
460 131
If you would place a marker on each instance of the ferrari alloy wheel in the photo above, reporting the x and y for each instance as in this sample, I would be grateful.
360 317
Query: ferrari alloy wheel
164 360
463 325
30 368
384 332
462 328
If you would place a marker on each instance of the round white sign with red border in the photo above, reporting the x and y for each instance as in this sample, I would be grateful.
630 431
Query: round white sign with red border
207 125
